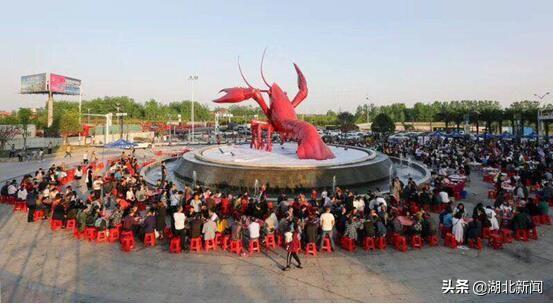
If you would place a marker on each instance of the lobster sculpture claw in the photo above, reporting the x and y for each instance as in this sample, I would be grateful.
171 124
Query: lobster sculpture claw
281 114
234 95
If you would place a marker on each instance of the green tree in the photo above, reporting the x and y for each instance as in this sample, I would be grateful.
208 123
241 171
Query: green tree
346 121
24 116
69 123
383 124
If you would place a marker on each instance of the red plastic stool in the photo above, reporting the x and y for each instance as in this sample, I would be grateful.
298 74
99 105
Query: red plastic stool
416 241
210 245
450 241
78 235
38 214
270 241
175 246
507 235
381 243
348 244
521 235
279 240
368 243
236 246
486 232
126 234
56 225
392 238
326 245
218 239
71 224
102 236
127 243
311 248
150 239
91 233
226 242
401 243
196 244
432 240
536 219
476 243
113 235
533 233
20 206
254 246
545 219
168 233
495 241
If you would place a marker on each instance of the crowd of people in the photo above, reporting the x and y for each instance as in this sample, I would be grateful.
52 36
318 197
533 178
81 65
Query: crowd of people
118 196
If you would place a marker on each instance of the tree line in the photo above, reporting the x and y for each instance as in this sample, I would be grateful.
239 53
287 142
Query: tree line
453 113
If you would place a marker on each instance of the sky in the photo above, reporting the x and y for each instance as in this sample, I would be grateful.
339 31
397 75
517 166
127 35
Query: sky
351 52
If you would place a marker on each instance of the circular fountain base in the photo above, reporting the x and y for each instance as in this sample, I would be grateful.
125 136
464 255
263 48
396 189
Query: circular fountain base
239 166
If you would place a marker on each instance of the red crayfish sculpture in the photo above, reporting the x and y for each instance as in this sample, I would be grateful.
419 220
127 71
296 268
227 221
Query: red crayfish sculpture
281 114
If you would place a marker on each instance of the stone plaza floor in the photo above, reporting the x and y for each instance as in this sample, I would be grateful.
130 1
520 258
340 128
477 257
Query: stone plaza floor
38 265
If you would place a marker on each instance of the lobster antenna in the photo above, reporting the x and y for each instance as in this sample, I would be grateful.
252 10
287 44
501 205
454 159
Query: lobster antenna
242 74
262 76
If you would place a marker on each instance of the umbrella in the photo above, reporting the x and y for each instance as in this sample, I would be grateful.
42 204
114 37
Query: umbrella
120 144
436 134
506 135
456 135
487 136
531 135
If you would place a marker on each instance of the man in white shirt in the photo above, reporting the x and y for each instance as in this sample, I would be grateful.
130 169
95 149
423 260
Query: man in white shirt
253 229
180 219
12 188
327 224
22 193
444 197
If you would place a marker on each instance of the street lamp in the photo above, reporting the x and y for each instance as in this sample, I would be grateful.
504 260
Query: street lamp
367 109
193 78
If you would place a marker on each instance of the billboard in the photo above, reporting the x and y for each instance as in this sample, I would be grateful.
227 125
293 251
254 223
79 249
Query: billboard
64 85
31 84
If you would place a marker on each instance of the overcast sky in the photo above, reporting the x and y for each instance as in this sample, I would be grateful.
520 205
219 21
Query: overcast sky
386 51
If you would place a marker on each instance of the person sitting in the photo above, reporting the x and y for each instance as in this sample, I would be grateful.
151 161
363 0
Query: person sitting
428 226
368 228
209 229
352 224
458 227
253 229
474 229
521 220
271 223
149 224
311 230
59 213
492 218
196 226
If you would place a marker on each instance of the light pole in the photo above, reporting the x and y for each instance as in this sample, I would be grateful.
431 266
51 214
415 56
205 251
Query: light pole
538 127
367 109
193 78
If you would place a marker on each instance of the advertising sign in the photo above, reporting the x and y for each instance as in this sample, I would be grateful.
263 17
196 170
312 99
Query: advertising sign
64 85
31 84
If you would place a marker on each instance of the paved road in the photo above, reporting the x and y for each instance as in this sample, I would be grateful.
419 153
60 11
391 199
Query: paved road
39 265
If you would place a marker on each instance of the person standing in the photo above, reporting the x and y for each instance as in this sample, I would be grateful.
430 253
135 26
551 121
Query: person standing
85 158
67 151
179 220
293 246
50 148
31 205
327 224
12 151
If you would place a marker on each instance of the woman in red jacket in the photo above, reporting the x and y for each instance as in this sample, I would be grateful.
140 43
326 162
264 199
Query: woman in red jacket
293 246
